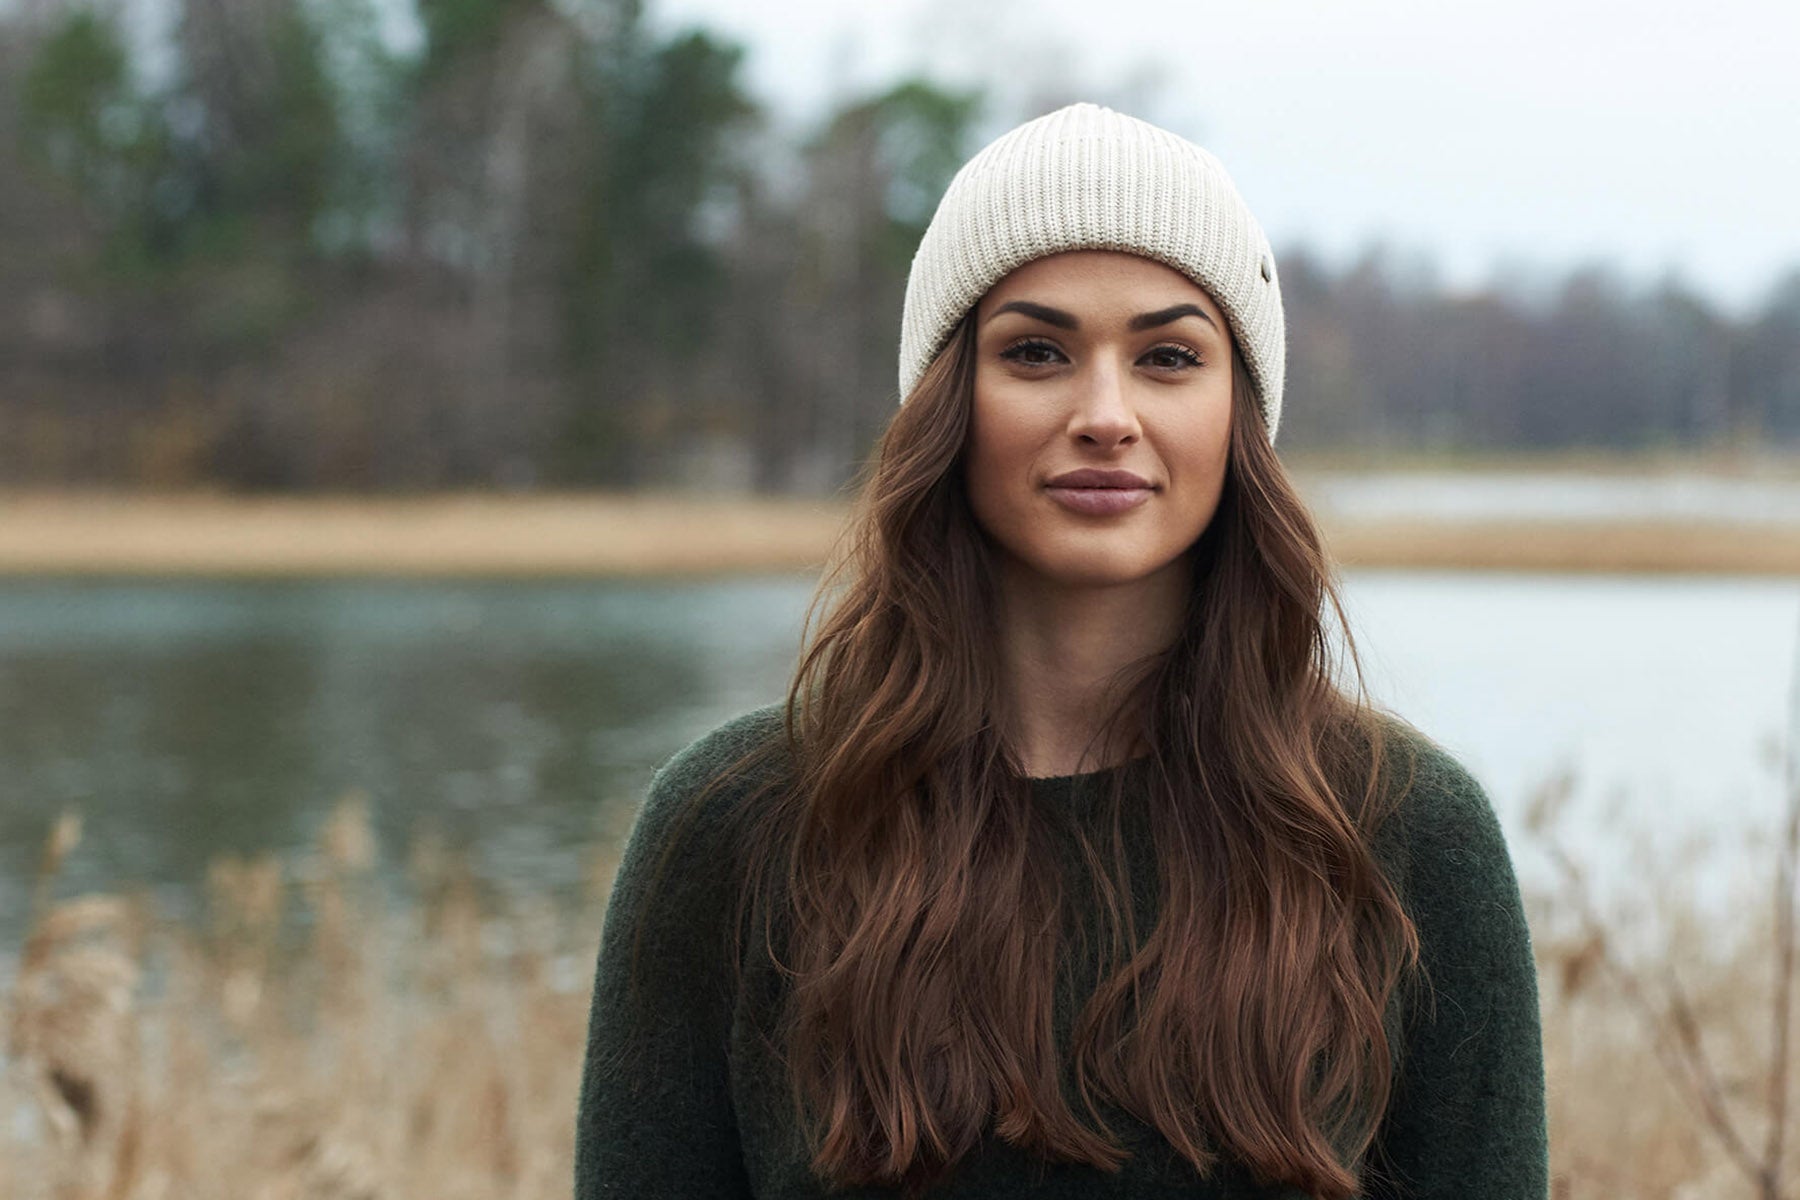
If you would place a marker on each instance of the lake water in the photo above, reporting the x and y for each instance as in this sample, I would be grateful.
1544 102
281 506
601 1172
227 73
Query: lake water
522 721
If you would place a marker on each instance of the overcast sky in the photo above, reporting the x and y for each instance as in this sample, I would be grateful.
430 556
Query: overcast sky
1535 133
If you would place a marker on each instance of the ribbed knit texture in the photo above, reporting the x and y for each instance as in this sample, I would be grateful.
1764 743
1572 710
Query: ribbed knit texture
1086 177
682 1097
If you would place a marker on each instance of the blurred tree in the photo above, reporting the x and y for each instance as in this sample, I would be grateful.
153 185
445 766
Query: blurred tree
83 212
369 82
258 144
1686 356
1344 327
645 282
553 247
456 30
874 173
1581 380
82 118
1495 343
1765 373
255 120
493 126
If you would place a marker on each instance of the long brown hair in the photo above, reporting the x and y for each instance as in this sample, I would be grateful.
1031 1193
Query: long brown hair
904 864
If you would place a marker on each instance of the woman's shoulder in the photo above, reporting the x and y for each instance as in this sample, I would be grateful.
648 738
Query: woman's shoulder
714 771
684 835
757 730
1443 833
1439 788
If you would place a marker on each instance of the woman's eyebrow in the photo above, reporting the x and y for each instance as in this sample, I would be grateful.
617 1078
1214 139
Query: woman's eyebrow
1063 320
1163 316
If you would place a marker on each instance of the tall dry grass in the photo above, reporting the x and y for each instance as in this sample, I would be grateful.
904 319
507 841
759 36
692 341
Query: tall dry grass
310 1042
314 1041
1669 1024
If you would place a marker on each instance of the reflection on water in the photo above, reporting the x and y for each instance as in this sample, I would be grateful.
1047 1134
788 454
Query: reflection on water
186 720
1660 694
522 721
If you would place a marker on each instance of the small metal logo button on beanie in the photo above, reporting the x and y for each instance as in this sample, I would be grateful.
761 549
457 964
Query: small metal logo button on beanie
1141 189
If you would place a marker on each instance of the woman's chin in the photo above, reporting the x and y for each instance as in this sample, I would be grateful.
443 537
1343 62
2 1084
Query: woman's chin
1091 569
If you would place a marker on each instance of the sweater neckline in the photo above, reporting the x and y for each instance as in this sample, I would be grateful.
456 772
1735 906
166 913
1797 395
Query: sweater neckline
1085 779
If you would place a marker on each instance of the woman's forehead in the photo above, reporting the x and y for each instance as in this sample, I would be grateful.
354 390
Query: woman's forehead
1104 281
1095 272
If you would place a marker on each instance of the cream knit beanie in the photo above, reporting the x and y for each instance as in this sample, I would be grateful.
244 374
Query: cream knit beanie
1086 177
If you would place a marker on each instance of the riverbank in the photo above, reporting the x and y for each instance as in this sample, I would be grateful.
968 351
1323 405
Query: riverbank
663 534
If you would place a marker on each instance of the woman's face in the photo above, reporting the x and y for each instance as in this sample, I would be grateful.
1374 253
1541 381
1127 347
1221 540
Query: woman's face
1105 361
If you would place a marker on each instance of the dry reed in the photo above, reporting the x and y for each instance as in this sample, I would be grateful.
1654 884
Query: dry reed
1669 1029
310 1041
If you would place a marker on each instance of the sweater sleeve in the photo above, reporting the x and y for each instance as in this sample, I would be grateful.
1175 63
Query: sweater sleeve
1468 1115
655 1118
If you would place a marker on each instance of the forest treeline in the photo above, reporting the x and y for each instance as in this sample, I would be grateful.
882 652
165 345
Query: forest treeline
554 247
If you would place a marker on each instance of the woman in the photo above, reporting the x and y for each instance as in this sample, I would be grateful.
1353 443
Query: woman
1067 868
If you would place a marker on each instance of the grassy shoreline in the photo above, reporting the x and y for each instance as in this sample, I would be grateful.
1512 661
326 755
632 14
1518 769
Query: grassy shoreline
1724 462
578 535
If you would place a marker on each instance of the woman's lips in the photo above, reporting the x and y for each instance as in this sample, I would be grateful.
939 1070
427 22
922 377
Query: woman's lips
1099 501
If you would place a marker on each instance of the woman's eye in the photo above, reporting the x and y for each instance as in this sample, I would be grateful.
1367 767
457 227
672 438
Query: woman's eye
1022 352
1174 356
1039 354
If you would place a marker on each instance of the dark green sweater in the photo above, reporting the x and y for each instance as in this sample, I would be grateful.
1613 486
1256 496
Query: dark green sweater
702 1109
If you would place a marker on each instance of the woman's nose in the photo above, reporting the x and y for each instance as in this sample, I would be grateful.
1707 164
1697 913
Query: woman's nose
1103 411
